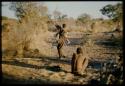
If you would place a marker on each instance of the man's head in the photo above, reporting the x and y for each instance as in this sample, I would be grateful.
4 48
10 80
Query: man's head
63 25
58 27
79 50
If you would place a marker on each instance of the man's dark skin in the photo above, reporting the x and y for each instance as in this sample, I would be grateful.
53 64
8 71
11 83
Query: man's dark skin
61 40
79 62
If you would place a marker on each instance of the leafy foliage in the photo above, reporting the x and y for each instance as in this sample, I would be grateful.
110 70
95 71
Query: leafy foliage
84 18
114 12
32 20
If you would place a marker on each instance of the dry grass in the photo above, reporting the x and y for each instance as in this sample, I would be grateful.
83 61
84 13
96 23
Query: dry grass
40 57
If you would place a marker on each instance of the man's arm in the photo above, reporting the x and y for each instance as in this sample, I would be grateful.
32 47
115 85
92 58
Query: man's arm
56 34
58 29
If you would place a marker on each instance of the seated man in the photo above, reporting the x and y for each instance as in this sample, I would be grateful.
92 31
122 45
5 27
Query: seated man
79 62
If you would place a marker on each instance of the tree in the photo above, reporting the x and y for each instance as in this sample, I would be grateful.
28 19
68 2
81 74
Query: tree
59 17
64 16
32 20
114 12
56 14
28 9
84 18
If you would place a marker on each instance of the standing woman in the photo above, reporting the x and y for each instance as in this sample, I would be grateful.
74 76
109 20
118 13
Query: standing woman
61 40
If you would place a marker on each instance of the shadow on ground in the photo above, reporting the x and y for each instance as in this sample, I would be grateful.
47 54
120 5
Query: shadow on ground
49 60
9 79
45 60
22 64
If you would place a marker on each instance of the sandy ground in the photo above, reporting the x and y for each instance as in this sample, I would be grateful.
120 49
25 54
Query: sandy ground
50 70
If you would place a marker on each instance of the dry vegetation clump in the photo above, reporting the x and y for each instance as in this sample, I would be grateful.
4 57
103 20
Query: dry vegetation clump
23 38
117 39
26 34
88 45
